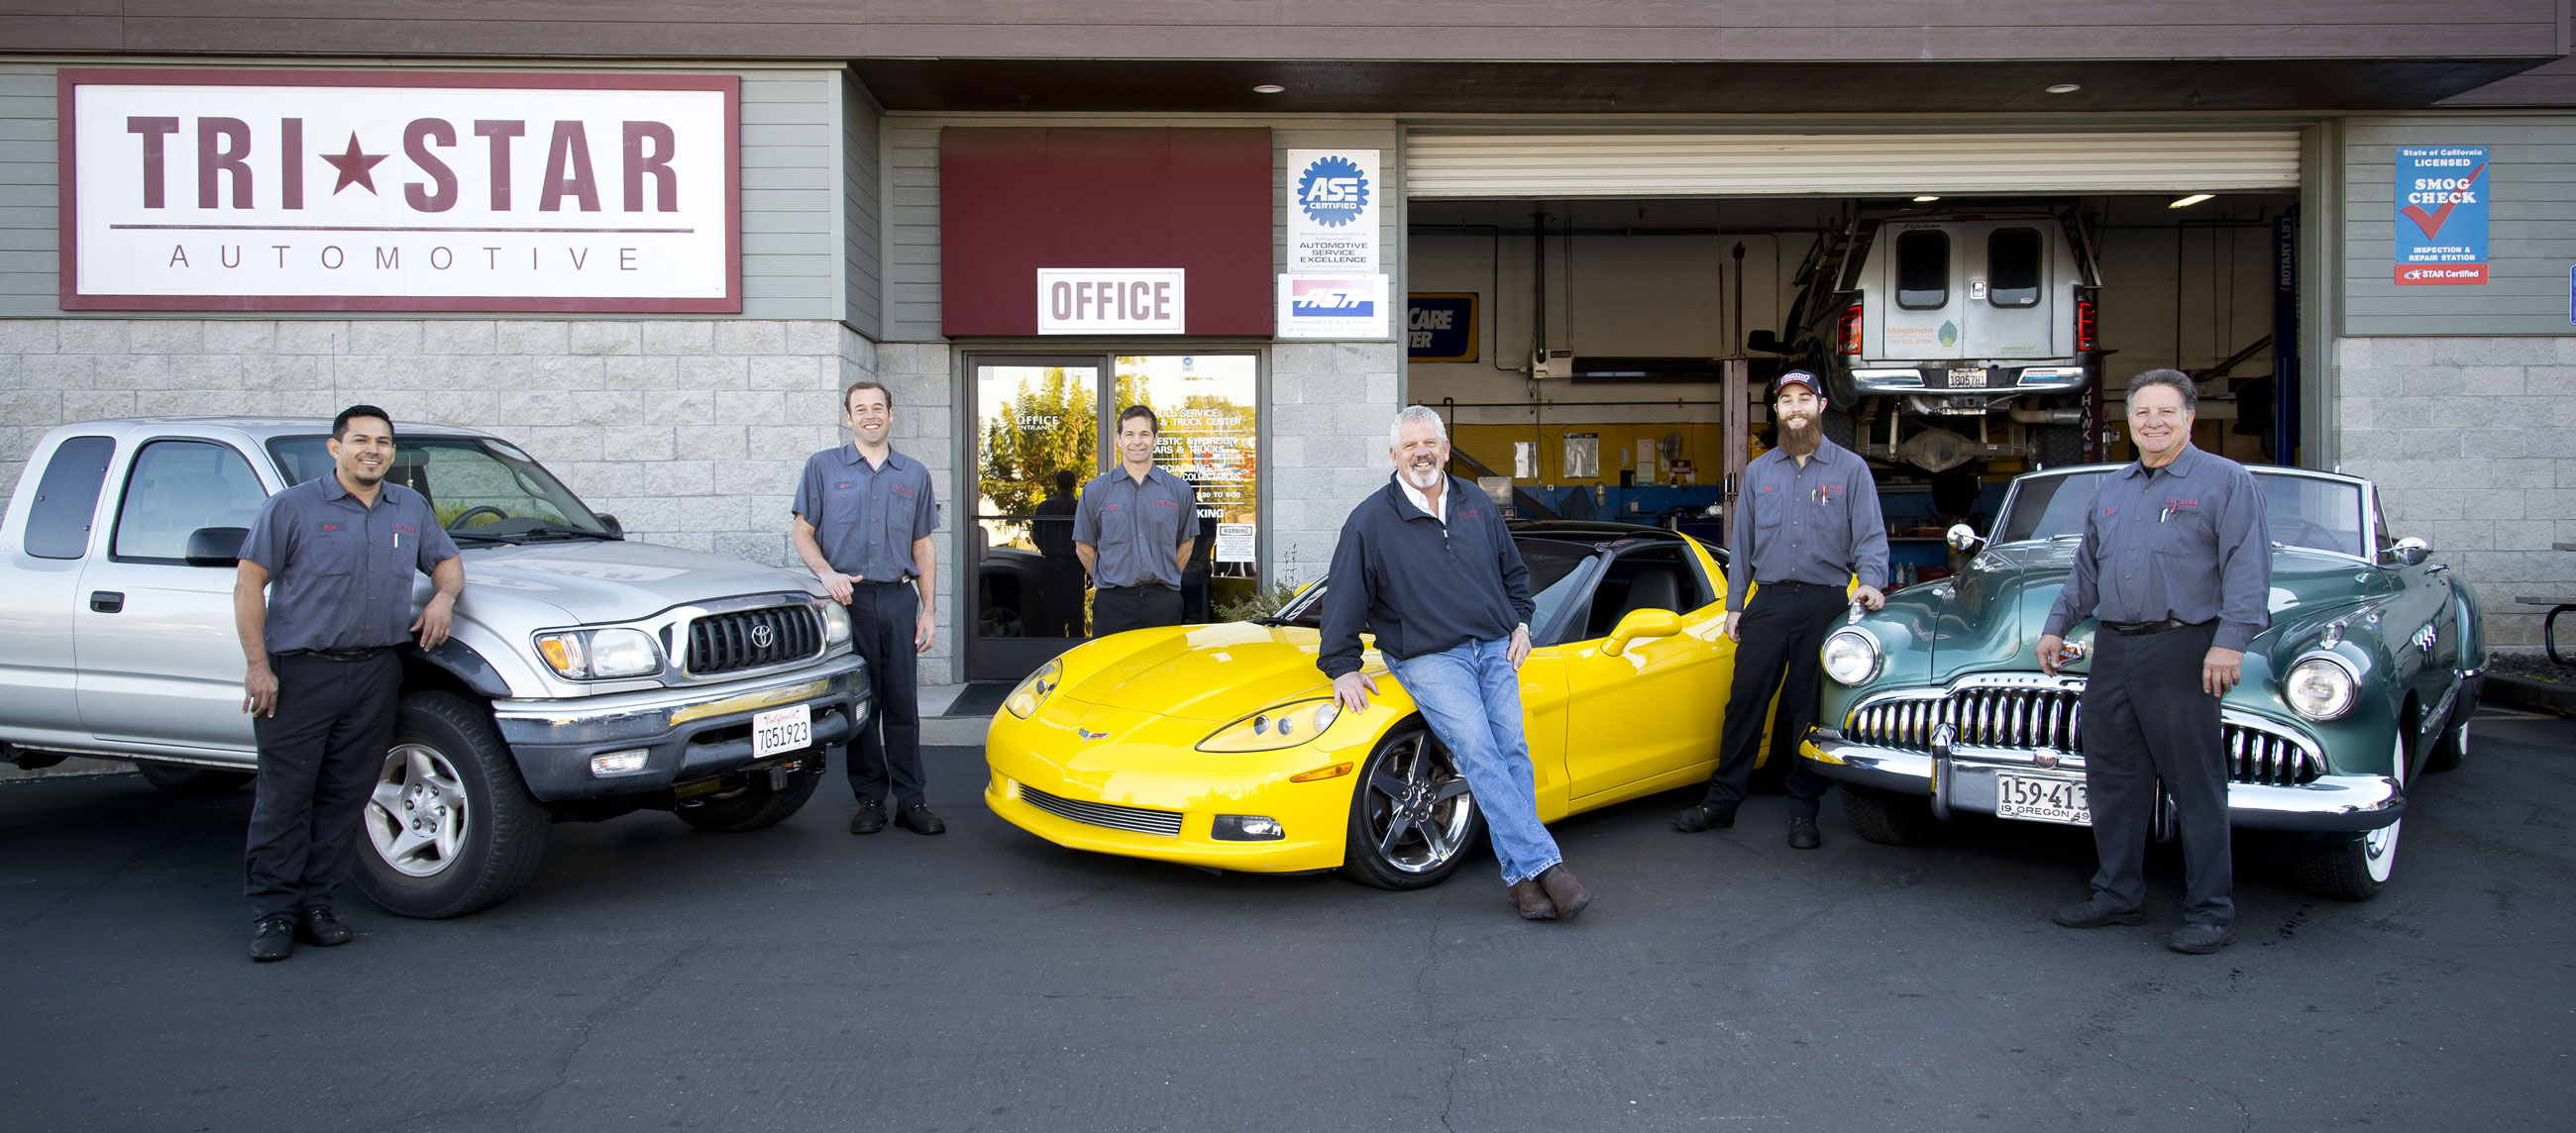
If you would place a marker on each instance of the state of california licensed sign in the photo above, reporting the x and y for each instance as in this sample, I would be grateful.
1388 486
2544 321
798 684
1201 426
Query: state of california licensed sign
399 191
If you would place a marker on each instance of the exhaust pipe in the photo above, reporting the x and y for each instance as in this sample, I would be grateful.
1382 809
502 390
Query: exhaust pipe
2072 415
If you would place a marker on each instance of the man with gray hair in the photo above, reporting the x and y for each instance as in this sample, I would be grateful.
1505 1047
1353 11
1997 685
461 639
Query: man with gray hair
1428 566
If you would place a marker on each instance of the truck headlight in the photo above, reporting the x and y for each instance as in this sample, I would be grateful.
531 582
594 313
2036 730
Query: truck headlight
1272 729
836 624
1850 656
588 654
1033 691
2320 688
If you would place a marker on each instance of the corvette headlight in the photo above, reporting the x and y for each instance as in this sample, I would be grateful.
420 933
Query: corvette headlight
2320 688
1286 726
1032 692
589 654
836 623
1850 656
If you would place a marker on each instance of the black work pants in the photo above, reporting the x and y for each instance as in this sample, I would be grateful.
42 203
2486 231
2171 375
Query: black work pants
2146 719
886 751
1784 625
1118 609
319 757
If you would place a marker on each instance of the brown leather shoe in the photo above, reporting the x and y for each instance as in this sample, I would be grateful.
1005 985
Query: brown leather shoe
1568 895
1532 900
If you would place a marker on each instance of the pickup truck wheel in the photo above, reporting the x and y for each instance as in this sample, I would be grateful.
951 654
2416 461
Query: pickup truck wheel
1887 818
191 782
1838 426
2061 445
1412 817
2354 870
451 828
752 806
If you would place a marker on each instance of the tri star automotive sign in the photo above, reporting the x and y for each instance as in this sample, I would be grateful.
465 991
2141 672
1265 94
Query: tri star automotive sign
408 191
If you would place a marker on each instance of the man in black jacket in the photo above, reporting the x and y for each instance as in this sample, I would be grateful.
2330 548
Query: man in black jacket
1427 565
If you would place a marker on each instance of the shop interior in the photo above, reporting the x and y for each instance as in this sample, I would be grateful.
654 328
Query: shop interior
1576 347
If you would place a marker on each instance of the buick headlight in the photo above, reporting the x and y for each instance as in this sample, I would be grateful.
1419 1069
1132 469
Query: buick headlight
1850 656
836 624
1032 692
590 654
1270 730
2320 688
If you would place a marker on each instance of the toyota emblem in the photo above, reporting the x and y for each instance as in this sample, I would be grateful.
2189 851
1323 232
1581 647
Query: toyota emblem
761 636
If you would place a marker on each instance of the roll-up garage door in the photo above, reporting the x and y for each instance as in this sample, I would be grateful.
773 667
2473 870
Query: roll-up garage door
1772 165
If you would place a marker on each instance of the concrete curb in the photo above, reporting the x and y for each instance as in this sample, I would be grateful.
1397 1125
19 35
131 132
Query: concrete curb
2523 692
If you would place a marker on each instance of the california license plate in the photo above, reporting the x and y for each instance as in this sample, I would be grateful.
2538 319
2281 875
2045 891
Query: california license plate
2042 798
1967 379
782 730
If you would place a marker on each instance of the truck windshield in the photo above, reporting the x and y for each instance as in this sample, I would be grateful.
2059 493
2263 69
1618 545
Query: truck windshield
482 489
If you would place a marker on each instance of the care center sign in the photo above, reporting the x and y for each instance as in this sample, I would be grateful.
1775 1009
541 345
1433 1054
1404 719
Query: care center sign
399 191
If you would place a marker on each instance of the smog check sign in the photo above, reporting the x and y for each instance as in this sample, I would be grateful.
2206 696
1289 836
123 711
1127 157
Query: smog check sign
2441 214
399 191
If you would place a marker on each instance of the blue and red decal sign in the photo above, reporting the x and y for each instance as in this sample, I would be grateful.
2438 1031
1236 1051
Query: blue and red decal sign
2442 214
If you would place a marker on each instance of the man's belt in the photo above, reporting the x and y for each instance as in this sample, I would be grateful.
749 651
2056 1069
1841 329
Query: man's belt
2141 629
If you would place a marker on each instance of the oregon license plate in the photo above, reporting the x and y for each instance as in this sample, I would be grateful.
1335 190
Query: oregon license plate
2042 798
782 730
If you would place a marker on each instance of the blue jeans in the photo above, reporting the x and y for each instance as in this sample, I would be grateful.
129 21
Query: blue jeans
1472 700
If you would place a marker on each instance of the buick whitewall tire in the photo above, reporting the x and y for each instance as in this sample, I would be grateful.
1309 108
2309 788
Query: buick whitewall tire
1412 817
1888 818
450 827
2354 870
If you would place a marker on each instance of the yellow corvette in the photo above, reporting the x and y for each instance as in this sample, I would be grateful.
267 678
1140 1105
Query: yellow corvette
1220 746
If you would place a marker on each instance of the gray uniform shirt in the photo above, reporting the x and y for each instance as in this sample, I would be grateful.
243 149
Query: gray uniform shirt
2184 541
1818 522
340 572
865 517
1135 530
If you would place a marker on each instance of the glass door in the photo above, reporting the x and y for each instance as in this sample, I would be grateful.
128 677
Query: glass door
1209 406
1037 440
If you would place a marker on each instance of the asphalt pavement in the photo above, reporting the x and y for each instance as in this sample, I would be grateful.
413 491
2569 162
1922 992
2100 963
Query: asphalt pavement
800 978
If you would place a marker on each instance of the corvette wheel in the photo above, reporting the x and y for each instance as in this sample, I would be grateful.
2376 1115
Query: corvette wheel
2354 870
1412 817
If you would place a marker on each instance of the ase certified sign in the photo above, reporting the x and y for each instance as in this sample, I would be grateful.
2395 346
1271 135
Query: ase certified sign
420 191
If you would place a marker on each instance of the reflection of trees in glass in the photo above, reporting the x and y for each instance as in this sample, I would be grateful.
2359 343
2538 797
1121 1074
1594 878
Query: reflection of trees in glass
1051 422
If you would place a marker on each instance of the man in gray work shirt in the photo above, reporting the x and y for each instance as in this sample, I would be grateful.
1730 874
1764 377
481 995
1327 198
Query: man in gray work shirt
2176 565
864 515
1806 523
1134 529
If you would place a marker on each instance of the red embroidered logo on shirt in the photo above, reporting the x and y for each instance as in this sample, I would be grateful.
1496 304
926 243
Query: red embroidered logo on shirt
1828 492
330 527
902 490
406 529
2182 504
845 483
1167 505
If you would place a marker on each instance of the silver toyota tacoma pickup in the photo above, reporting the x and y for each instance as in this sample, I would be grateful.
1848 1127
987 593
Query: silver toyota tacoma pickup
587 675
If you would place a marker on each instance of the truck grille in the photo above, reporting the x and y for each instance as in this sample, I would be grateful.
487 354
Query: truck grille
753 639
1131 818
2022 718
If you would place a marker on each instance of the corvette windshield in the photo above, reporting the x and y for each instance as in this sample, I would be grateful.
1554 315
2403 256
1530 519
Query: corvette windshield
1552 572
2298 511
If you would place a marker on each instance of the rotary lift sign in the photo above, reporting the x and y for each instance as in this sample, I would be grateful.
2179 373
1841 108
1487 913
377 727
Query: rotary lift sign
2442 214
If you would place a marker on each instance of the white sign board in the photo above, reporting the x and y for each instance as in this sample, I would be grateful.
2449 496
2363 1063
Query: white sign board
1112 300
1332 306
1334 200
1234 542
301 190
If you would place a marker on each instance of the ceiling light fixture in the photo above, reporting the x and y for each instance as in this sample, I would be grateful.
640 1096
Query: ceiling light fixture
2065 88
2187 202
1926 198
1268 88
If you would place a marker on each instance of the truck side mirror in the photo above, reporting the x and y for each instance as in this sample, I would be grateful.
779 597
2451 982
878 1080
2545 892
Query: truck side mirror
216 546
614 528
1764 341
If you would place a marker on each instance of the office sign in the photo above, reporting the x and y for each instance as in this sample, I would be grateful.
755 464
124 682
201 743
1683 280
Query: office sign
1112 301
399 191
1332 306
2442 214
1441 327
1334 201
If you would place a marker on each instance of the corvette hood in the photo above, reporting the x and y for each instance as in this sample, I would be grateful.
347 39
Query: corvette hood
1216 673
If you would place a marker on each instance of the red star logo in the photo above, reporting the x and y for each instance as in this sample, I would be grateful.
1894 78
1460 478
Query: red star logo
354 166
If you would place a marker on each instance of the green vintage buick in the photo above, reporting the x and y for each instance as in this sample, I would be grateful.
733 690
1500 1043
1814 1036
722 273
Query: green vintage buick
2366 678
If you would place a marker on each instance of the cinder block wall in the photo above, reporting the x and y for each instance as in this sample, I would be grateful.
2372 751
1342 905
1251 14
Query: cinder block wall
2473 444
1330 404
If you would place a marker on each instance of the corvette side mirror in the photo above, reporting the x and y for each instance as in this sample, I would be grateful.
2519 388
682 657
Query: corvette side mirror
2410 551
1641 625
1963 537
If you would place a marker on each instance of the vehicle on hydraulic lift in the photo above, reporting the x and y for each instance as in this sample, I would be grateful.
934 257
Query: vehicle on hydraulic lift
1947 336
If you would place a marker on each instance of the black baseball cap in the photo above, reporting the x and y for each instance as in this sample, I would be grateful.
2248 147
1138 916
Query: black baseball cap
1797 378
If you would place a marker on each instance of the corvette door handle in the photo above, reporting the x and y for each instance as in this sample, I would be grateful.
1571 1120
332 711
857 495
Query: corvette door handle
106 601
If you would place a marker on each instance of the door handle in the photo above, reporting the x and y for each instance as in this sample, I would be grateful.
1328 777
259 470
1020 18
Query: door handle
106 601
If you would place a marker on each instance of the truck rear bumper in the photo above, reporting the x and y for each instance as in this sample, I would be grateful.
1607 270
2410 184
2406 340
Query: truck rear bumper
685 734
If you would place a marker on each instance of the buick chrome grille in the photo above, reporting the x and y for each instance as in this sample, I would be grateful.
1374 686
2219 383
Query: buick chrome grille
753 639
1135 819
2052 719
